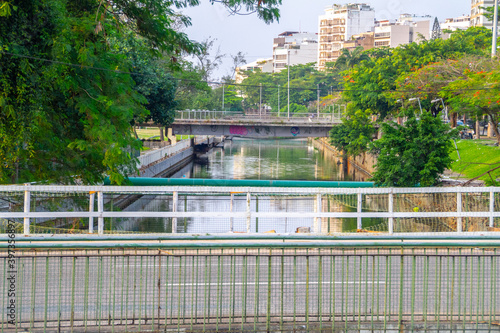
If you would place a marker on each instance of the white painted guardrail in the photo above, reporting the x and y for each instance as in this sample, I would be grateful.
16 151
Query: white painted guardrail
488 197
321 117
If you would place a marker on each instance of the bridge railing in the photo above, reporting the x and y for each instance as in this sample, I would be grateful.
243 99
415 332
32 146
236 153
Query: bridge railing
257 287
212 209
333 116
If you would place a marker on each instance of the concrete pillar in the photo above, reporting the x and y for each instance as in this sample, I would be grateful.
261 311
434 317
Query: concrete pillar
171 137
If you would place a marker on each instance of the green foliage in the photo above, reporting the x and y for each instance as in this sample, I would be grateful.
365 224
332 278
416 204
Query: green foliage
477 91
412 154
67 119
355 133
152 80
369 84
294 109
304 80
349 59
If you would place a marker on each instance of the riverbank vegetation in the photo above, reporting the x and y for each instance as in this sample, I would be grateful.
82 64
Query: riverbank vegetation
405 85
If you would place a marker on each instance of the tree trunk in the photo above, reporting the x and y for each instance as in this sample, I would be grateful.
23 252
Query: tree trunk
162 137
478 133
135 132
453 121
494 126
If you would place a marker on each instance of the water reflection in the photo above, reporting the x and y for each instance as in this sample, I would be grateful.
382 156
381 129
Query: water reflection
290 159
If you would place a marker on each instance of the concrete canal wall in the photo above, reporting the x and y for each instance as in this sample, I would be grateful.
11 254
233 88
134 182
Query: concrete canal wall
167 160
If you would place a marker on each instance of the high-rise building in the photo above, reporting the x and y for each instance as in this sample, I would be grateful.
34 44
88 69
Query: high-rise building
477 13
339 24
294 48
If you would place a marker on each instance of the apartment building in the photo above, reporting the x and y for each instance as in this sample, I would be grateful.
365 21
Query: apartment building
366 40
403 31
477 13
454 24
291 47
457 23
338 25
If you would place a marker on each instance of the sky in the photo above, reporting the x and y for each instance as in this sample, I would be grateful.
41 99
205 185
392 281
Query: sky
254 38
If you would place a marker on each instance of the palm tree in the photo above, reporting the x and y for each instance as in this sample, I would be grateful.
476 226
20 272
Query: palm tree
349 59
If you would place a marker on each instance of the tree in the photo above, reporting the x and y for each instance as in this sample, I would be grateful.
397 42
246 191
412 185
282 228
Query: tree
237 60
349 59
415 153
370 84
67 99
208 61
478 91
355 133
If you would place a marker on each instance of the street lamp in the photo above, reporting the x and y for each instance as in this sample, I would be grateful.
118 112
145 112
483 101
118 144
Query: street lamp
417 99
495 30
288 59
318 103
444 107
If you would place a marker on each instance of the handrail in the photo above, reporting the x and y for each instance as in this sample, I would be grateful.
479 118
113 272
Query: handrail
239 245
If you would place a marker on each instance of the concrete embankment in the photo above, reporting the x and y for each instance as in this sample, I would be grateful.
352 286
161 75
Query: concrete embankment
364 163
165 161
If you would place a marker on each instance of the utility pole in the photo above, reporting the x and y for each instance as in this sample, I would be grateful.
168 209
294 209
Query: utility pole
223 97
288 84
260 102
318 102
278 101
495 30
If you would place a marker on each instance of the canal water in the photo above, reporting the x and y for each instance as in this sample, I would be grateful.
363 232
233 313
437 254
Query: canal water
285 159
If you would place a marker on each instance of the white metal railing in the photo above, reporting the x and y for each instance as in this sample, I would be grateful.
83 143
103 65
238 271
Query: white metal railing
158 154
334 115
489 196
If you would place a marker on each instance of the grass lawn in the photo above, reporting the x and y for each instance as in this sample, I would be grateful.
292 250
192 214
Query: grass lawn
476 158
148 132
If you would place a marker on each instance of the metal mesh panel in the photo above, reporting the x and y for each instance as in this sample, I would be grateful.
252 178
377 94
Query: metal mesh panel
220 211
255 289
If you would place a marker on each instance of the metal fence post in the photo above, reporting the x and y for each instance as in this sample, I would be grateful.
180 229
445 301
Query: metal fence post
360 208
317 209
174 210
492 208
391 211
91 209
100 210
249 216
459 210
27 208
231 209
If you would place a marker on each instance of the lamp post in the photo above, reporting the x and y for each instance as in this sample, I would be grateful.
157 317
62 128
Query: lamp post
288 103
495 30
317 111
278 101
417 99
260 102
444 107
223 97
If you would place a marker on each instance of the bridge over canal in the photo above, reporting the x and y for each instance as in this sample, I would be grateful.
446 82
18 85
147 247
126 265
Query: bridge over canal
264 125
